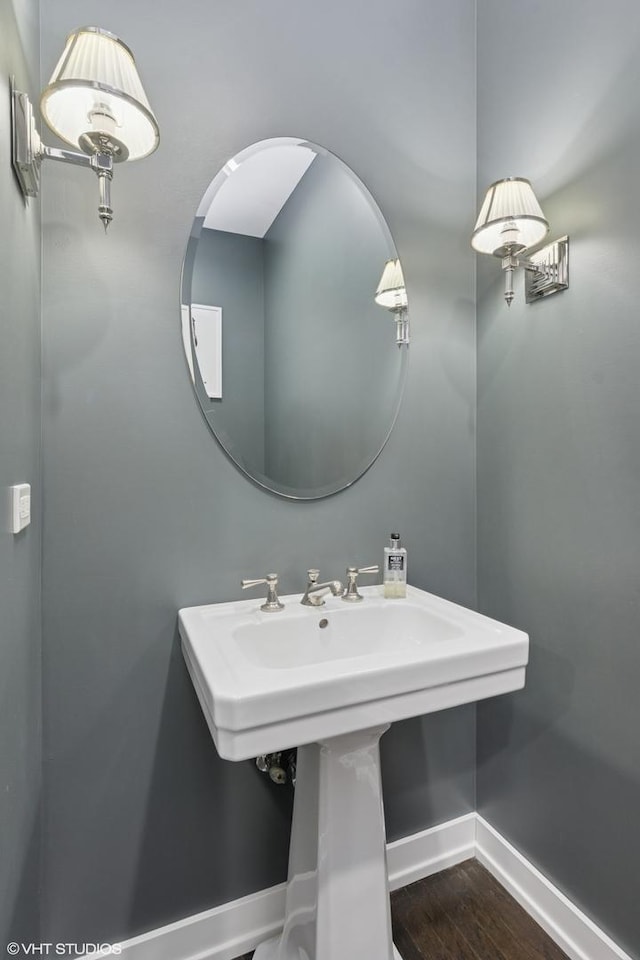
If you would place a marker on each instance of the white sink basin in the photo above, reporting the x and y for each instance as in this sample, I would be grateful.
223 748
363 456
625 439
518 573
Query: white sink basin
330 680
267 681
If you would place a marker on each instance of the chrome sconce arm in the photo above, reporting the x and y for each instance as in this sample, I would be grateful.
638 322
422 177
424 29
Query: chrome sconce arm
510 224
94 101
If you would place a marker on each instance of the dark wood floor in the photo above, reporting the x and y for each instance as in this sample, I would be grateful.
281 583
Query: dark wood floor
464 914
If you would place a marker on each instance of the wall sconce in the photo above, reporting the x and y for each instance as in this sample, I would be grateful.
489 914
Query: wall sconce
95 102
510 221
391 293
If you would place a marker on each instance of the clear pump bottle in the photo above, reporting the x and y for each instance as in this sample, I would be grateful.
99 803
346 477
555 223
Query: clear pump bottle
395 568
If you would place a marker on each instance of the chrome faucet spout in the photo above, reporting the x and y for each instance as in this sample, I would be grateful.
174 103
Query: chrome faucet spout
335 586
314 594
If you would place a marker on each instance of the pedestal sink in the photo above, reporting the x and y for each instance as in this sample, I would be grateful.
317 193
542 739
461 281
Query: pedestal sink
330 680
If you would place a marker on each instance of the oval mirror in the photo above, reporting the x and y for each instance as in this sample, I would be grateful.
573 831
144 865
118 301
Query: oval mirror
299 371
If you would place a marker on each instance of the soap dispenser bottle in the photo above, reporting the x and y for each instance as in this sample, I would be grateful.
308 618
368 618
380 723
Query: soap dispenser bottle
395 568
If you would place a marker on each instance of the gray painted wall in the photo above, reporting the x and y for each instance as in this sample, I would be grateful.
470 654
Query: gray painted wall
228 273
145 513
559 454
327 341
20 651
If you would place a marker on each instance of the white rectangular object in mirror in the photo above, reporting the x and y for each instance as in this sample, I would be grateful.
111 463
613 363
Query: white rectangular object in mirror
207 337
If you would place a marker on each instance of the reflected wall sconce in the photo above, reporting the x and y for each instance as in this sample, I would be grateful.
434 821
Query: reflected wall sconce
391 293
509 223
95 102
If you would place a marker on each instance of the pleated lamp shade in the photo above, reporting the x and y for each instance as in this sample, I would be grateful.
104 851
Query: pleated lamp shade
95 92
510 217
391 292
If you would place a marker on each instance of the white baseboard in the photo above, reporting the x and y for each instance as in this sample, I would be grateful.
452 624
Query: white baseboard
571 929
430 851
237 927
222 933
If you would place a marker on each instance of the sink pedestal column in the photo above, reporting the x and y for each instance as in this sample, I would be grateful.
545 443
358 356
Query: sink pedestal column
337 905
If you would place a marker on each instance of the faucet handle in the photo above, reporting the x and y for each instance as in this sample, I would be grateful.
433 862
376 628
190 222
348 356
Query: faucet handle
313 575
271 604
351 594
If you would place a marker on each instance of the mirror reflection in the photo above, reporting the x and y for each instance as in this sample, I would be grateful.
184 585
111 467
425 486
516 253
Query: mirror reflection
296 358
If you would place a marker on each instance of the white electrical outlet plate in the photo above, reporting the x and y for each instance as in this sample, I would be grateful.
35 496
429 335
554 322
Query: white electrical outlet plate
20 507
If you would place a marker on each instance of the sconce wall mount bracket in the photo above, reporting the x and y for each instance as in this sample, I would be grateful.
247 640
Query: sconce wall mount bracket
549 272
26 144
